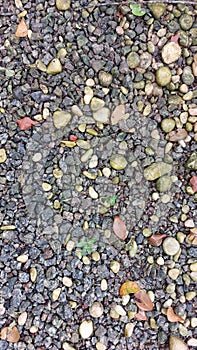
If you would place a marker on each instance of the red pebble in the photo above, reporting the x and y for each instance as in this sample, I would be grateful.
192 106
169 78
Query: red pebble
73 138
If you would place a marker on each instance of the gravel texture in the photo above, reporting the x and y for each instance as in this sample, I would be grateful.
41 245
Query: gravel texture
114 99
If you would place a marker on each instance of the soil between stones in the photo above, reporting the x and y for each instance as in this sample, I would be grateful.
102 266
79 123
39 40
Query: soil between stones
96 74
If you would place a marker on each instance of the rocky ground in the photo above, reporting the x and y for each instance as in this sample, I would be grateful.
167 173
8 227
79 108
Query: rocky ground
98 176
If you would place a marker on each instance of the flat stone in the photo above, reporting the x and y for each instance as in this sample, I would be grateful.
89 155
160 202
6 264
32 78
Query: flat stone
96 310
176 343
102 115
163 76
46 186
164 183
157 9
3 155
100 346
168 125
96 104
63 5
93 162
171 52
171 246
87 155
92 193
133 60
105 79
83 144
103 284
118 162
186 21
156 170
118 114
61 118
54 67
22 258
86 329
193 267
173 273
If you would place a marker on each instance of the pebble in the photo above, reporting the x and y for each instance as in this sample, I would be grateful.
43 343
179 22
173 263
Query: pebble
156 170
2 310
103 284
33 329
96 104
171 52
106 172
173 273
193 267
46 186
54 67
102 115
192 342
190 296
67 282
163 76
133 60
83 144
171 246
100 346
22 318
76 111
96 310
61 118
192 161
87 155
115 266
194 322
164 183
129 328
168 124
157 9
120 310
63 5
56 294
96 256
3 155
67 346
93 162
86 329
33 274
22 258
176 343
89 93
105 79
118 162
186 21
118 114
92 193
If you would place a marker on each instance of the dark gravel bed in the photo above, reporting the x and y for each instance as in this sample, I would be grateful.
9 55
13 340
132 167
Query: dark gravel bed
112 102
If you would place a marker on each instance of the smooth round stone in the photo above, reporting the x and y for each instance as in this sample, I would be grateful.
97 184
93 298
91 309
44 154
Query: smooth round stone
46 186
194 322
33 274
86 329
103 284
193 267
96 256
128 331
176 344
156 170
96 310
54 67
171 52
3 155
171 246
163 76
57 173
167 124
105 79
83 144
102 115
186 21
96 104
22 318
115 266
56 294
187 76
133 60
92 193
118 162
173 273
89 93
120 310
67 346
61 119
76 111
192 161
100 346
106 172
87 155
22 258
157 10
67 282
190 296
62 53
63 5
37 157
164 183
93 162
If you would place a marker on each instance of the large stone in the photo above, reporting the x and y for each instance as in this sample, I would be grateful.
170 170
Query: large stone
63 5
102 115
171 52
171 246
54 67
156 170
163 76
61 118
176 343
157 9
118 162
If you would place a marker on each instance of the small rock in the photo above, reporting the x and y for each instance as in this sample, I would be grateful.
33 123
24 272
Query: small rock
93 162
186 21
102 115
96 104
92 193
87 155
171 246
164 183
96 310
63 5
133 60
67 282
118 114
56 293
76 111
156 170
61 118
89 93
192 161
120 310
157 9
167 125
171 52
128 331
33 274
54 67
192 342
176 344
83 144
3 155
173 274
105 79
163 76
115 266
2 309
193 267
22 318
187 76
22 258
194 322
46 186
103 284
100 346
118 162
67 346
86 329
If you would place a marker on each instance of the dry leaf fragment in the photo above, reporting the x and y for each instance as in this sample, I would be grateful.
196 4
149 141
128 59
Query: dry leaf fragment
172 317
22 29
25 123
156 240
11 334
141 316
129 287
143 301
119 228
193 182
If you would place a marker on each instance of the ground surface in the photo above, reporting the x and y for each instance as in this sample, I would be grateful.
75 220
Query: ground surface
114 98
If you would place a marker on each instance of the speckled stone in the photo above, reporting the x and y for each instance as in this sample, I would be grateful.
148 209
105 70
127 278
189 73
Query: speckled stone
171 52
163 76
